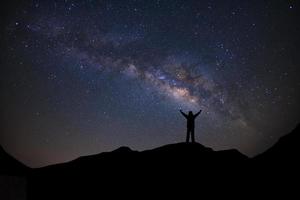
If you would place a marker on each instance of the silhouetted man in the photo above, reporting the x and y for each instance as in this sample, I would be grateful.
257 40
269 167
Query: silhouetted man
190 125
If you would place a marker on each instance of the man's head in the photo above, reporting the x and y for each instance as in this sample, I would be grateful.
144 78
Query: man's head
190 113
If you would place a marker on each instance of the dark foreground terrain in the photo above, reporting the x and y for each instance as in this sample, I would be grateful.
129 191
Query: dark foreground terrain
178 166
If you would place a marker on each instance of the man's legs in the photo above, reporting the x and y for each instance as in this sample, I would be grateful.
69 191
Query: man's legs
187 135
193 134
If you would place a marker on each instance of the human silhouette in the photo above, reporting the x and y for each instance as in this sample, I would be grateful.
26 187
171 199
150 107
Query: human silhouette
190 125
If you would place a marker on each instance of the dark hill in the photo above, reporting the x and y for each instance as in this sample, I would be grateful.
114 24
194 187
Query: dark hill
166 156
180 164
12 177
286 150
133 170
281 161
10 166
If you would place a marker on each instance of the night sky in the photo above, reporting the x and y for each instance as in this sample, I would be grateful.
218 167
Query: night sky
83 77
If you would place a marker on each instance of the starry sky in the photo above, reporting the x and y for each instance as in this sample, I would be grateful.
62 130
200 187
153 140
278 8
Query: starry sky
83 77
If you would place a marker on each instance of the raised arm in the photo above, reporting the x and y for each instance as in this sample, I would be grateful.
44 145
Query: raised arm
185 115
197 113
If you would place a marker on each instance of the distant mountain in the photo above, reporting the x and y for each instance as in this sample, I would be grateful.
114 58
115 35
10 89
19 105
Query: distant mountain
281 160
10 166
286 150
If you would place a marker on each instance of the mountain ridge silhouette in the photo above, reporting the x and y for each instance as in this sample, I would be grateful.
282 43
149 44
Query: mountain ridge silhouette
172 164
285 148
166 155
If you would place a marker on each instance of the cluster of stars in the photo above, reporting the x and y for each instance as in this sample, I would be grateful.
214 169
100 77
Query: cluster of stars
83 77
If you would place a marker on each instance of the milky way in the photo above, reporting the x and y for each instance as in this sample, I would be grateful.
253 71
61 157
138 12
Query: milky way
82 77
